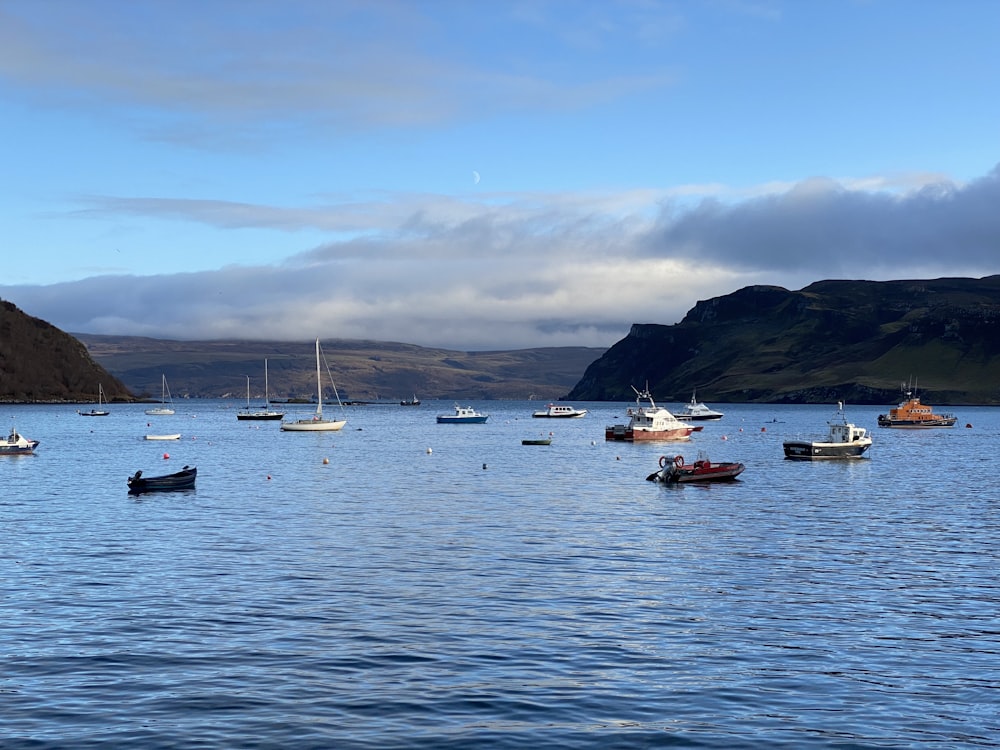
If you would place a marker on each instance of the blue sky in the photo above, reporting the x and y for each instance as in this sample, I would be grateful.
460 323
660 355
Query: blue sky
483 175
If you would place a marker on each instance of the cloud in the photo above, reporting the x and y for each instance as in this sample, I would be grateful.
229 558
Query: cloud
531 270
239 72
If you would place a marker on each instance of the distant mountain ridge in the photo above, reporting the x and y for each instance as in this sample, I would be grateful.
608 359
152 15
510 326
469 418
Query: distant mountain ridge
361 370
855 341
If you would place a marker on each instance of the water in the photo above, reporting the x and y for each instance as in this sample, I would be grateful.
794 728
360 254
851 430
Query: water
443 586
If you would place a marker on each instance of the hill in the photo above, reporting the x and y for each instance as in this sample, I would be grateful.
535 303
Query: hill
362 370
854 341
40 363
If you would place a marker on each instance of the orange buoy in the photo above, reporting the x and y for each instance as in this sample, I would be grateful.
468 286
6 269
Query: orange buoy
166 456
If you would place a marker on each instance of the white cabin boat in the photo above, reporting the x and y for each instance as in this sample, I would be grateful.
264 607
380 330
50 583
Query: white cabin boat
557 411
844 440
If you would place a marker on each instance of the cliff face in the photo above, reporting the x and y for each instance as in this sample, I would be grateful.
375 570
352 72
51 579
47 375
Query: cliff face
855 341
38 362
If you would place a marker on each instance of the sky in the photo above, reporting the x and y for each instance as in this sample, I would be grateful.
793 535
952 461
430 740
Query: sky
483 176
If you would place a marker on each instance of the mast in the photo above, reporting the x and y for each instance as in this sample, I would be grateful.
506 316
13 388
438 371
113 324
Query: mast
319 386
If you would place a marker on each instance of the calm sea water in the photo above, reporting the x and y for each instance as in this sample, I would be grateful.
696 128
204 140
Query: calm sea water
408 584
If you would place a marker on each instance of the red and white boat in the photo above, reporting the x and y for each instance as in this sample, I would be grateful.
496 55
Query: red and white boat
649 422
675 471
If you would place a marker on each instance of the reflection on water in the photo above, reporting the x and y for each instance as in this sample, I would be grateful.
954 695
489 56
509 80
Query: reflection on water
403 583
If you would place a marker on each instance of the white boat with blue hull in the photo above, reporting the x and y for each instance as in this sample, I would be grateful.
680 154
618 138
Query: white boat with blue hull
17 445
844 440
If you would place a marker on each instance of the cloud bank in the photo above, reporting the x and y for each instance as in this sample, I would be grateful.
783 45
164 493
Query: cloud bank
517 271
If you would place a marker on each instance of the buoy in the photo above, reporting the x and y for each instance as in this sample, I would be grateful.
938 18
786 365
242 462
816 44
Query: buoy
484 466
724 437
326 461
269 477
430 451
763 429
166 456
968 426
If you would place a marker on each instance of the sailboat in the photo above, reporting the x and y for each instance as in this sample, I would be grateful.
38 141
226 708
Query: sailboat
264 412
99 411
166 403
316 423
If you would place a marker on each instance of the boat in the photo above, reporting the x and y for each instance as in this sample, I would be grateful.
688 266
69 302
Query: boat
172 436
649 422
843 440
557 411
675 471
99 411
181 480
166 403
412 402
16 444
912 414
537 441
316 423
265 412
463 415
696 411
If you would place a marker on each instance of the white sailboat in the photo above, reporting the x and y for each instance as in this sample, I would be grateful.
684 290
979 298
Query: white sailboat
263 413
166 403
316 423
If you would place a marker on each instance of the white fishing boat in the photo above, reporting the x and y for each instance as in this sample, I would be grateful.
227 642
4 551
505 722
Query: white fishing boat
560 411
16 444
843 440
171 436
316 423
695 411
647 421
166 402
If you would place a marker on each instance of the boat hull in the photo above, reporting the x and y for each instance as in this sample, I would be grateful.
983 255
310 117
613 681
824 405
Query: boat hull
159 412
260 416
94 413
540 441
182 480
620 432
916 424
18 450
446 419
314 425
174 436
810 450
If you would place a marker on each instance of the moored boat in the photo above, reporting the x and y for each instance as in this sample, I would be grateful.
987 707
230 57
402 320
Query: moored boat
649 422
265 412
100 411
463 415
560 411
844 440
912 414
16 444
317 423
181 480
675 471
165 409
695 411
171 436
412 402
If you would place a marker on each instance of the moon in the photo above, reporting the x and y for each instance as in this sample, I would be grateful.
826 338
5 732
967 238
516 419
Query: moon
475 177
